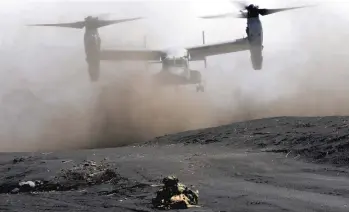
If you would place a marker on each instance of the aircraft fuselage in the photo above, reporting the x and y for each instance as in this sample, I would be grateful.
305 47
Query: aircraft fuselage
255 38
175 69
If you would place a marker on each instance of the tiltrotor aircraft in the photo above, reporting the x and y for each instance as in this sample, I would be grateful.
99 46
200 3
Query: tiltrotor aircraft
254 30
175 59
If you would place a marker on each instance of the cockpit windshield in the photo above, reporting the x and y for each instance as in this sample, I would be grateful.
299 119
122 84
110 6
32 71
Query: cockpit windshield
177 62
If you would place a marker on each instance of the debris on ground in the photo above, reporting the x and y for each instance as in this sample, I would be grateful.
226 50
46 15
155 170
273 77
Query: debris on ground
88 173
17 160
28 185
175 195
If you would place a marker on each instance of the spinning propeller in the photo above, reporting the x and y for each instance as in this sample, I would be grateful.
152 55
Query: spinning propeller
250 11
89 22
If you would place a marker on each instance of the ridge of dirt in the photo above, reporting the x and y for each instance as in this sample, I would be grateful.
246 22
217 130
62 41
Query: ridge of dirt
318 139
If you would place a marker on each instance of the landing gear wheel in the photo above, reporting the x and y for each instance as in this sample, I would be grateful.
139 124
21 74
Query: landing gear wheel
200 88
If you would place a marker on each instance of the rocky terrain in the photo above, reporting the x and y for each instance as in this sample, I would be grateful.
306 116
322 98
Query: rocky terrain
274 164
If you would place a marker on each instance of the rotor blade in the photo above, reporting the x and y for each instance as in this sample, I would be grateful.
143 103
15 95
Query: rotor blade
226 15
240 4
272 11
77 25
102 23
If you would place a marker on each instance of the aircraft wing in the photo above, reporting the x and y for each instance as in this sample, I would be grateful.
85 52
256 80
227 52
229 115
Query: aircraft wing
203 51
129 54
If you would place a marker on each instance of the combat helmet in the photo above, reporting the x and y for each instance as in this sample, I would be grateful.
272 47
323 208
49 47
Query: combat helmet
170 181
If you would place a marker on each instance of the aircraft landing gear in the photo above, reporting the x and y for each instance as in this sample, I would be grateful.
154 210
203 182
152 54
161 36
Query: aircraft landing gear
200 88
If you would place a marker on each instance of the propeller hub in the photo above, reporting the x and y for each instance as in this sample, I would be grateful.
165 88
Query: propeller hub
90 18
91 22
253 11
251 6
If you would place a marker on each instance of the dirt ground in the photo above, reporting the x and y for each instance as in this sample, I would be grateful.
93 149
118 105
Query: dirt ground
275 164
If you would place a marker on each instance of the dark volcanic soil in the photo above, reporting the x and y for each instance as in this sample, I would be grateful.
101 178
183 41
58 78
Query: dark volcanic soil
278 164
319 139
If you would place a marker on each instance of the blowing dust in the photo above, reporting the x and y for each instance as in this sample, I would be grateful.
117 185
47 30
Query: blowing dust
305 77
130 109
136 109
308 79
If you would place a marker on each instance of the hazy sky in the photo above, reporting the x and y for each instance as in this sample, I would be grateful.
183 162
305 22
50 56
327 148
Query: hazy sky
167 23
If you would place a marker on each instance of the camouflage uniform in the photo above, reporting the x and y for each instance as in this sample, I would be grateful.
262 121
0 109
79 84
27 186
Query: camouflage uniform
174 195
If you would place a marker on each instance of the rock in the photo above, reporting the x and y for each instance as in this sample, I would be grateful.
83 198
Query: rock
29 183
90 163
15 191
18 160
27 186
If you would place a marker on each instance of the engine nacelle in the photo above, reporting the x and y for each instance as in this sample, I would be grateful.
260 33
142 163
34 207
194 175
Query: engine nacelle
92 50
257 57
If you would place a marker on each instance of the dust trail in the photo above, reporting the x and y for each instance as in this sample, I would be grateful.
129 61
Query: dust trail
135 109
110 113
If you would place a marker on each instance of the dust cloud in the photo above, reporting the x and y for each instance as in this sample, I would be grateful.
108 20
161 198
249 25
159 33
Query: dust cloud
51 105
308 74
137 109
130 109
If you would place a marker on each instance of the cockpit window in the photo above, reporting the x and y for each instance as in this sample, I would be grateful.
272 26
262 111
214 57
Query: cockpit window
175 62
